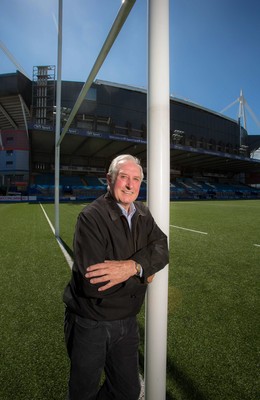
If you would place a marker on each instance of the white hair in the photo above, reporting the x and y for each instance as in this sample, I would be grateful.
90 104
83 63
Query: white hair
114 166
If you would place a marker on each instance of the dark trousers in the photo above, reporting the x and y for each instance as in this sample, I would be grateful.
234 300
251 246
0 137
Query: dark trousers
97 346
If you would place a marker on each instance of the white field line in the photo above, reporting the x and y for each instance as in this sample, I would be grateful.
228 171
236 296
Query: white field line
64 251
257 245
186 229
48 220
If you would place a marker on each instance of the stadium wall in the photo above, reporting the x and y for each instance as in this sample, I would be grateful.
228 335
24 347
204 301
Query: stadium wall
109 111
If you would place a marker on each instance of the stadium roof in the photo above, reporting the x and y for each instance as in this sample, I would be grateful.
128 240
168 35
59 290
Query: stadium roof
14 114
172 97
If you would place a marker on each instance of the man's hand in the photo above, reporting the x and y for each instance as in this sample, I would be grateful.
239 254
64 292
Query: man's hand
112 272
150 278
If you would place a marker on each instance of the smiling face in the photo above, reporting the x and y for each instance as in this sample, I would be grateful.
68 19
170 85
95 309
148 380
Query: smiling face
125 188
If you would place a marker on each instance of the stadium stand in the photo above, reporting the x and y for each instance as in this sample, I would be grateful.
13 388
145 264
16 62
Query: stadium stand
180 189
209 152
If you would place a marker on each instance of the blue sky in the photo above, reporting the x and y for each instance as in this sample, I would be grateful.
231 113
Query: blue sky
214 46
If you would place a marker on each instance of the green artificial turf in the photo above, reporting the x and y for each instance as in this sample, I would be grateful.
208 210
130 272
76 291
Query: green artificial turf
213 301
33 275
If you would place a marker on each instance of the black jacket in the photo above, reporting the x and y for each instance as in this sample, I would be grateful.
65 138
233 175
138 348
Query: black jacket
102 233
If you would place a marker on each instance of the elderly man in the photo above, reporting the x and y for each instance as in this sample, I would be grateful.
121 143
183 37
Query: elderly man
117 250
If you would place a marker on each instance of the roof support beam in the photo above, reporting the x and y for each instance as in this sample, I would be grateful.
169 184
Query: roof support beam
24 109
8 117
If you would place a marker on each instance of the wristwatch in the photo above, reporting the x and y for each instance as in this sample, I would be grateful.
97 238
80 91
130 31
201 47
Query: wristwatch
138 269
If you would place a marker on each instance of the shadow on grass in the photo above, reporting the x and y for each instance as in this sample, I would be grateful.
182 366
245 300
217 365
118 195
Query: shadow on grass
184 383
67 248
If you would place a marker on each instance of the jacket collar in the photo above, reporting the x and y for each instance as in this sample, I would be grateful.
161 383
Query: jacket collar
115 211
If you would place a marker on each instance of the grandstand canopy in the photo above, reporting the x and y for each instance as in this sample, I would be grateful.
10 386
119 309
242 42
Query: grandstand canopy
104 147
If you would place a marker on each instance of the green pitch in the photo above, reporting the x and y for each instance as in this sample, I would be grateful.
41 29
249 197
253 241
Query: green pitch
213 305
